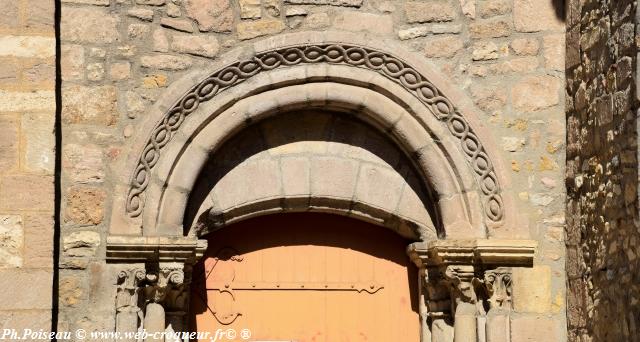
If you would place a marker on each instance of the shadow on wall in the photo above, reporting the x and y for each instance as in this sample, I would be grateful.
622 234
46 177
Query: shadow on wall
559 7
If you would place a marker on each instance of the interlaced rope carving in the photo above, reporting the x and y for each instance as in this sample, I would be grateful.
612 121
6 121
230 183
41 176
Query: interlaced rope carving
356 56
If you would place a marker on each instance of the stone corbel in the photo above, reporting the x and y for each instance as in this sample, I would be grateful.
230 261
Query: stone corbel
155 296
476 273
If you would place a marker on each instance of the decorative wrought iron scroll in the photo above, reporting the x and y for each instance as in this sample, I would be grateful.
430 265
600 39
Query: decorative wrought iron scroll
381 62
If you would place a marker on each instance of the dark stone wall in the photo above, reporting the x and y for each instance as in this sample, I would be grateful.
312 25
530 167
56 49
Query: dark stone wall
603 236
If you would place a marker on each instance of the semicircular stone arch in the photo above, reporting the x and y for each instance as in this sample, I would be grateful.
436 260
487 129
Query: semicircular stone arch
393 95
313 161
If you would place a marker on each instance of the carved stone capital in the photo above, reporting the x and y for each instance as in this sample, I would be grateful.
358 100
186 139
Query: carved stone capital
497 283
129 283
462 280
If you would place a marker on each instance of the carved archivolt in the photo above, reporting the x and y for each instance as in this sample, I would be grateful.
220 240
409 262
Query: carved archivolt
381 62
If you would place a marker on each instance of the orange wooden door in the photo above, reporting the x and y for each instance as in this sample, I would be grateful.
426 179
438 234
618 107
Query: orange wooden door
306 277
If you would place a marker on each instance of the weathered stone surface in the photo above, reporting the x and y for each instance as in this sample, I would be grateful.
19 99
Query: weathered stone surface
14 282
535 93
525 46
28 319
423 12
533 328
141 13
511 66
95 71
421 31
177 24
14 197
88 25
490 29
9 16
40 73
11 241
554 51
9 142
16 101
120 71
443 47
38 136
81 244
71 290
490 98
351 3
9 71
532 289
211 15
250 9
151 2
173 10
204 46
317 20
83 163
536 15
485 51
492 8
39 15
89 2
160 41
95 105
333 177
27 46
166 62
356 21
253 29
84 206
38 236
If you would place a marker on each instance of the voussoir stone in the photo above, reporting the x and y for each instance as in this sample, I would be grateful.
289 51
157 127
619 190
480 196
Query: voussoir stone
211 15
196 45
88 25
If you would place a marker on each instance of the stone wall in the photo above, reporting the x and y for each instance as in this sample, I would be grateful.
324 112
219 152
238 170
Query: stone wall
602 172
27 162
120 56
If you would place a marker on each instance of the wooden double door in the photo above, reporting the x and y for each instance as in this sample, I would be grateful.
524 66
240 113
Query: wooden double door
305 277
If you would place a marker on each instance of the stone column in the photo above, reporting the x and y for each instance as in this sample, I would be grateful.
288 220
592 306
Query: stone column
461 280
497 283
128 311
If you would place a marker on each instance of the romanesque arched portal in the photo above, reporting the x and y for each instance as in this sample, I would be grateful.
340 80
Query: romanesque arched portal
464 274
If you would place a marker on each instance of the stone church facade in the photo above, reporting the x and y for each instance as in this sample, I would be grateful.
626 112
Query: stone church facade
497 138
